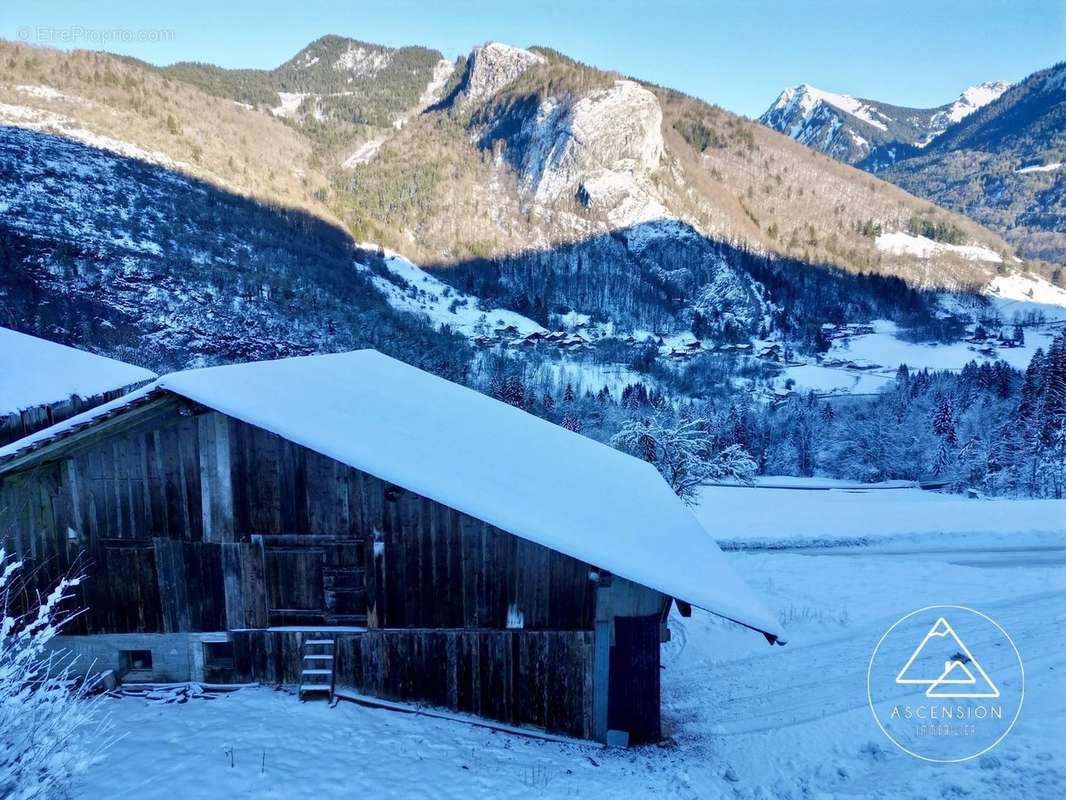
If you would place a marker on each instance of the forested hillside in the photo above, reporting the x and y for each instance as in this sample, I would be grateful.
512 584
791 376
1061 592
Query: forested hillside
1002 166
165 271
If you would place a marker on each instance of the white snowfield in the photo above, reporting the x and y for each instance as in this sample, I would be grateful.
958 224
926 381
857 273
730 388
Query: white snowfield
806 516
1040 168
975 97
907 244
884 348
37 372
439 302
1029 289
482 457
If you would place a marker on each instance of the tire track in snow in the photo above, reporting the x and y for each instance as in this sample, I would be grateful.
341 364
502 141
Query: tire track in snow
826 678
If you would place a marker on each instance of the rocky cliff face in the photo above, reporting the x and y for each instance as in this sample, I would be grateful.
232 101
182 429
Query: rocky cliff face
599 150
493 66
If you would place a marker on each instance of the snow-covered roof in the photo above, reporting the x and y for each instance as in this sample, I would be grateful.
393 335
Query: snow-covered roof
482 457
38 372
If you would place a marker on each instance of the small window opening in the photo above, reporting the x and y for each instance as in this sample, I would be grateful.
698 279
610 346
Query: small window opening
136 661
218 655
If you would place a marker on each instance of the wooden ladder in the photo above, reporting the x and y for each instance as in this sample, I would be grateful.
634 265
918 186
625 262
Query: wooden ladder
316 676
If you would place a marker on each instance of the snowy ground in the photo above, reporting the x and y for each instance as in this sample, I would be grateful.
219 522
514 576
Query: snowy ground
441 304
880 353
844 515
743 720
883 347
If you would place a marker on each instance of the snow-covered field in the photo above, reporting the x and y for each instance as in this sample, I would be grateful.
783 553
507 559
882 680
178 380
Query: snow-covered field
737 516
743 719
418 292
880 353
834 380
900 243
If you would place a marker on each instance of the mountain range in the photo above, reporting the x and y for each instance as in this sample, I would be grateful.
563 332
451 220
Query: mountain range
993 154
232 202
849 128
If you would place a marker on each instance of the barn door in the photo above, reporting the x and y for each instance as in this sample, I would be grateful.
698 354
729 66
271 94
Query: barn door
125 591
294 585
633 684
344 582
315 580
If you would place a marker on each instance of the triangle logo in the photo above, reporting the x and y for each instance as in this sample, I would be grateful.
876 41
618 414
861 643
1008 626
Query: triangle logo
946 677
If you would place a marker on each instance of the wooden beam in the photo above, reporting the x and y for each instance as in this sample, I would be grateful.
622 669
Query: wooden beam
601 671
216 486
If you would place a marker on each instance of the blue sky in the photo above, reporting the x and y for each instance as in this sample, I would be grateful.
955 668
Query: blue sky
738 54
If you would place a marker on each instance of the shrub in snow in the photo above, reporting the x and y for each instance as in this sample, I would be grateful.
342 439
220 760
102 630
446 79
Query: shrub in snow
50 731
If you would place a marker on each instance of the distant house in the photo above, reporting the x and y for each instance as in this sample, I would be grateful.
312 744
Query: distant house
771 352
348 522
42 382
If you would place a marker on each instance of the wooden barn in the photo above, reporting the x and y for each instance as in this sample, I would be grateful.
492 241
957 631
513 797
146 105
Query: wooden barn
42 383
353 525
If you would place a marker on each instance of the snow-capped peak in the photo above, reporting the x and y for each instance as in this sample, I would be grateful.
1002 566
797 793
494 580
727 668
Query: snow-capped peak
805 98
975 97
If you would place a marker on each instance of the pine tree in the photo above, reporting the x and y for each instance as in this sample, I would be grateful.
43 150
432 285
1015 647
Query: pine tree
827 413
944 421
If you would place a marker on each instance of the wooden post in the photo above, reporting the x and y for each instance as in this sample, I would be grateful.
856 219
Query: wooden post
216 490
74 492
601 655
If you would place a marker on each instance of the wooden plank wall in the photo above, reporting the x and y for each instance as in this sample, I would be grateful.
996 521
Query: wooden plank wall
434 567
427 565
541 678
105 507
141 484
420 563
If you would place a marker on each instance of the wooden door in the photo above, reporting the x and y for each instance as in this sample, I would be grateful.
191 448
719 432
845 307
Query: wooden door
295 594
633 684
315 580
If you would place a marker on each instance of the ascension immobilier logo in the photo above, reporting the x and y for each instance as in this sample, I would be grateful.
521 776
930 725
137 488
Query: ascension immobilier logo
945 683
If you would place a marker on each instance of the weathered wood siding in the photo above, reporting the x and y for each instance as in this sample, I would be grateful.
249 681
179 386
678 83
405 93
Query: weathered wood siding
103 510
541 678
189 521
422 565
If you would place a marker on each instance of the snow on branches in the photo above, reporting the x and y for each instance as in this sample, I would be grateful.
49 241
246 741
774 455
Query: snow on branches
683 451
50 730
